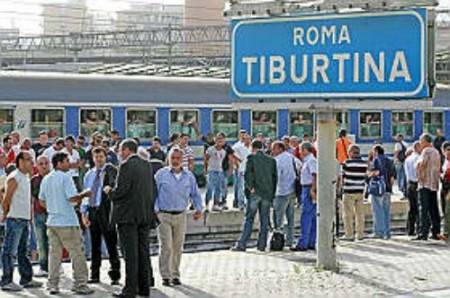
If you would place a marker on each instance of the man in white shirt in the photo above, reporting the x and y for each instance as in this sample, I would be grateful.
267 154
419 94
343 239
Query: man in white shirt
399 160
241 149
74 160
412 158
56 147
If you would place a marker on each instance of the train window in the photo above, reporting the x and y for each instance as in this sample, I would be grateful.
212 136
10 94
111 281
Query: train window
265 123
370 125
341 121
50 120
403 123
95 120
226 122
6 121
301 123
184 122
141 124
432 121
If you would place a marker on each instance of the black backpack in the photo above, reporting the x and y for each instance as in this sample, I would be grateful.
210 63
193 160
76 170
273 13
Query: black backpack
401 156
277 241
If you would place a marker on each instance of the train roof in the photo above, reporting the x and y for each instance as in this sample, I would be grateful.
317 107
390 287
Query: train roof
110 89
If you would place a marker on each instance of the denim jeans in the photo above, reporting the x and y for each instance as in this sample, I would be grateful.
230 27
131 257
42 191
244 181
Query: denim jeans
40 227
32 241
239 189
308 220
254 204
214 187
401 176
224 189
15 245
285 206
381 209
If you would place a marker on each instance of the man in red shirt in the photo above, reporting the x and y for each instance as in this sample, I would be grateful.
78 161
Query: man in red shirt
40 215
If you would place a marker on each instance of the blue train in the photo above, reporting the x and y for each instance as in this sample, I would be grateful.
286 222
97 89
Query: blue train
143 106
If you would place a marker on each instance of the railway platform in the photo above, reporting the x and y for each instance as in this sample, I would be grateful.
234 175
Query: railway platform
370 268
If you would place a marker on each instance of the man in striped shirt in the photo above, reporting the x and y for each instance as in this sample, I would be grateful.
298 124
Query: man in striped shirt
354 173
188 156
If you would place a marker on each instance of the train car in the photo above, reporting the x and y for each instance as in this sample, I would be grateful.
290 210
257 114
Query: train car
145 106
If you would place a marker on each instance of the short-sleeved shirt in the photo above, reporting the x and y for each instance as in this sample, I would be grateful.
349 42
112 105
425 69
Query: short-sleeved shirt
56 190
36 181
429 169
410 167
215 160
309 168
49 152
342 146
188 155
386 168
241 152
73 158
39 148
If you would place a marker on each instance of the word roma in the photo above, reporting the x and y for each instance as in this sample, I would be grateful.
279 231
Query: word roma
280 68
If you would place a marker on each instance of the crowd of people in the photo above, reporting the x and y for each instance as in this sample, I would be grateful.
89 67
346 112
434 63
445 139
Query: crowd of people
71 199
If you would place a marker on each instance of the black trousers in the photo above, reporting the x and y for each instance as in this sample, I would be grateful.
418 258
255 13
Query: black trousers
99 229
413 222
429 210
135 242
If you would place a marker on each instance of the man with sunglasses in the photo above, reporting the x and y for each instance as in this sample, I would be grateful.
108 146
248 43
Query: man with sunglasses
17 214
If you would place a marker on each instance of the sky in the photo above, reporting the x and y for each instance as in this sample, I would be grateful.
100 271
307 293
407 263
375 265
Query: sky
25 14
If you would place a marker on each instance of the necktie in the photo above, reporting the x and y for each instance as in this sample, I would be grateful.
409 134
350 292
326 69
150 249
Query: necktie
95 187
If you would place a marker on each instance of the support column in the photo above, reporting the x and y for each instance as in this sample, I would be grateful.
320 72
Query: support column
326 197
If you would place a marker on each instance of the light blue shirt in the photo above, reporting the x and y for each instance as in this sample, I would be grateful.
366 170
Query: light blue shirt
89 179
56 190
309 168
286 174
175 193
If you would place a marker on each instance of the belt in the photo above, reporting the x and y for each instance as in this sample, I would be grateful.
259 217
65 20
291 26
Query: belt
306 185
171 212
413 182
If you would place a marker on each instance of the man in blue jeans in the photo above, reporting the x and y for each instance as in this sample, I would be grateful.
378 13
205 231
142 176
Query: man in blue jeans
40 215
260 185
214 157
285 197
381 204
308 179
17 212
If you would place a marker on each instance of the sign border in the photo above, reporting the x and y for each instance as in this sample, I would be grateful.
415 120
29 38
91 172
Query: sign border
333 95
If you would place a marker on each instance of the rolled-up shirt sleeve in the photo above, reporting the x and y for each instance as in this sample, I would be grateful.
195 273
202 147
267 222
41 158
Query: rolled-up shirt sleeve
195 194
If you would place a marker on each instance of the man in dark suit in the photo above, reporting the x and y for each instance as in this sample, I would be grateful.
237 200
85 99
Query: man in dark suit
133 204
260 185
96 212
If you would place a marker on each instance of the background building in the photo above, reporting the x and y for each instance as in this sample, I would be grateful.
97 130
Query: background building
67 17
149 16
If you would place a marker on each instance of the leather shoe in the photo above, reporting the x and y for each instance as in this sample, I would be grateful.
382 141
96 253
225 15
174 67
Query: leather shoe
176 282
419 238
296 248
166 282
115 283
94 281
120 295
